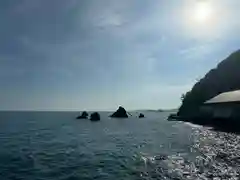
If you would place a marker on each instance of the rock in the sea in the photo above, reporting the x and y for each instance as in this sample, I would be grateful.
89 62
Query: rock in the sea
95 116
120 113
84 115
141 115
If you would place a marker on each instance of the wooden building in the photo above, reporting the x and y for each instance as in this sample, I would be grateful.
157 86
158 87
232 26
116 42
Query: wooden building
223 106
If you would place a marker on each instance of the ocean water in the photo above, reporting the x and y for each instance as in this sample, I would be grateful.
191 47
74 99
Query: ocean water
54 145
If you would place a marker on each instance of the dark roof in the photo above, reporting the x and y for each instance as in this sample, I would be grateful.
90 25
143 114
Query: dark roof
232 96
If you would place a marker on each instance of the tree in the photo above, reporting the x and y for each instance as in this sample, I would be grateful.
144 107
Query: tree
184 95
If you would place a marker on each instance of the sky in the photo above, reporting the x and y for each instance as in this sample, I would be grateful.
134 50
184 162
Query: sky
97 55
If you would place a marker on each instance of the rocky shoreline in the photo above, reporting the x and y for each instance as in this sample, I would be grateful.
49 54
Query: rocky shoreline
218 157
225 125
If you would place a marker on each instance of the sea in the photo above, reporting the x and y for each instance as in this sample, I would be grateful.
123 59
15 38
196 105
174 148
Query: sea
57 146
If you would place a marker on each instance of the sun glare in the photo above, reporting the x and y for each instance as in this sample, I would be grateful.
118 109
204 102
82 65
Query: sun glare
203 11
200 18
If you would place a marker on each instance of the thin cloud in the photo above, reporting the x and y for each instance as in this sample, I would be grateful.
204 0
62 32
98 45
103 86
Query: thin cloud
199 51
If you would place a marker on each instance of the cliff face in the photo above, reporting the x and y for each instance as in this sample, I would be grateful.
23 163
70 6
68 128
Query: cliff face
225 77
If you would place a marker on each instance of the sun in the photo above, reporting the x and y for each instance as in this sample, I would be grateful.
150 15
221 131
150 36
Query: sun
200 18
203 11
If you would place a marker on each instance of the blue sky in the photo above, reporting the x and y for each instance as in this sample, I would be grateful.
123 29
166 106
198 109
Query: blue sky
96 55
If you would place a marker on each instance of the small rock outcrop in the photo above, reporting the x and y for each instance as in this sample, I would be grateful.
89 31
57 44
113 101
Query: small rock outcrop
95 116
120 113
84 115
141 115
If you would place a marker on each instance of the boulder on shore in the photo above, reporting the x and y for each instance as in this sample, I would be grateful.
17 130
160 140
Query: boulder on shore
95 116
141 115
120 113
84 115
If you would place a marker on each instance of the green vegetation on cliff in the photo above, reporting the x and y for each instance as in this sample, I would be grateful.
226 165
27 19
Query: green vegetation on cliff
225 77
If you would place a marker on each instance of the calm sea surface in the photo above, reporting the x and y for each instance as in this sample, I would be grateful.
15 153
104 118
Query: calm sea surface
54 145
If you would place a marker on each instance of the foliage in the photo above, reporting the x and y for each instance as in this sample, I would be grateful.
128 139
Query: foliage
225 77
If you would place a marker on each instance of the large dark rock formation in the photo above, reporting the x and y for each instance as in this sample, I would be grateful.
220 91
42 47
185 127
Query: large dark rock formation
84 115
120 113
95 116
225 77
141 115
